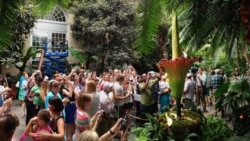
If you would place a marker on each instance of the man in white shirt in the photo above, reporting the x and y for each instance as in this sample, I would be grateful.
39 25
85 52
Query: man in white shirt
118 95
106 104
189 92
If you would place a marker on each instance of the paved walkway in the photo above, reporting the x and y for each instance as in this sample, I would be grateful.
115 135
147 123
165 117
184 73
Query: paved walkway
17 109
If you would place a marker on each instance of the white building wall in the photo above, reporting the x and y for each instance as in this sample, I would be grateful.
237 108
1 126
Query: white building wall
49 26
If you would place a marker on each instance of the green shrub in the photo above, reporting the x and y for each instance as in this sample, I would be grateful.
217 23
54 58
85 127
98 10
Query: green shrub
215 129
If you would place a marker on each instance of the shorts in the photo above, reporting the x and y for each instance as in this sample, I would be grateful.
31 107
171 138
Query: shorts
128 106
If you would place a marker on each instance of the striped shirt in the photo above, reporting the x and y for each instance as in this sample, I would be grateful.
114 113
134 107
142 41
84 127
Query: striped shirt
82 121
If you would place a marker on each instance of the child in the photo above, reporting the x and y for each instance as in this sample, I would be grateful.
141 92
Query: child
39 124
83 120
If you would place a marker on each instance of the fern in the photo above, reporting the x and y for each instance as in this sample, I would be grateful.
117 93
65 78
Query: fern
214 129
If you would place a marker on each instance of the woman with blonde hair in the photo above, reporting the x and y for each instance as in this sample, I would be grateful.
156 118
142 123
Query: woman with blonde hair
88 135
44 90
91 135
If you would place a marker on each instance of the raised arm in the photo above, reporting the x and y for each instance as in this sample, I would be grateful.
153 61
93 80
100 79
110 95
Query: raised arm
112 132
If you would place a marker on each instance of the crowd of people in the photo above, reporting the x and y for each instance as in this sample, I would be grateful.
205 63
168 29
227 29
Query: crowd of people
82 105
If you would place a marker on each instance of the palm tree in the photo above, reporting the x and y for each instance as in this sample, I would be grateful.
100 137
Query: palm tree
218 24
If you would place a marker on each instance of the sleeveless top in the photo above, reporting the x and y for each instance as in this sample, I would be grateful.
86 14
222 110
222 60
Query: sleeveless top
72 98
53 124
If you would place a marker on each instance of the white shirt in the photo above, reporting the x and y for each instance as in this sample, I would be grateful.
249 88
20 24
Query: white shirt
106 103
163 85
131 92
190 87
118 89
203 78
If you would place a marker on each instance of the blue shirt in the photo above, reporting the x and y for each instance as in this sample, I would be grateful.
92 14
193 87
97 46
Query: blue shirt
21 80
48 96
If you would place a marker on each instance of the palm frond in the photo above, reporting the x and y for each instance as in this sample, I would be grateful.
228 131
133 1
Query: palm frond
148 21
191 19
217 39
231 44
211 22
240 85
31 52
175 5
7 16
77 54
205 30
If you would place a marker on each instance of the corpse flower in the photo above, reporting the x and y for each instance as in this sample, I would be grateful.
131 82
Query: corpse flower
176 68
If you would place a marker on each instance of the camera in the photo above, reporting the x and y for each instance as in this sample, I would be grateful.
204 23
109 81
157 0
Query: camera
124 124
104 115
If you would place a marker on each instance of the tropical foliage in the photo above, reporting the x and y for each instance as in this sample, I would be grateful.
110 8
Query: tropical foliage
237 95
166 127
234 98
105 29
148 20
79 55
13 51
220 23
215 129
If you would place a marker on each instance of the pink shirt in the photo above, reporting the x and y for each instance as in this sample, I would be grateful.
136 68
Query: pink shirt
46 129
